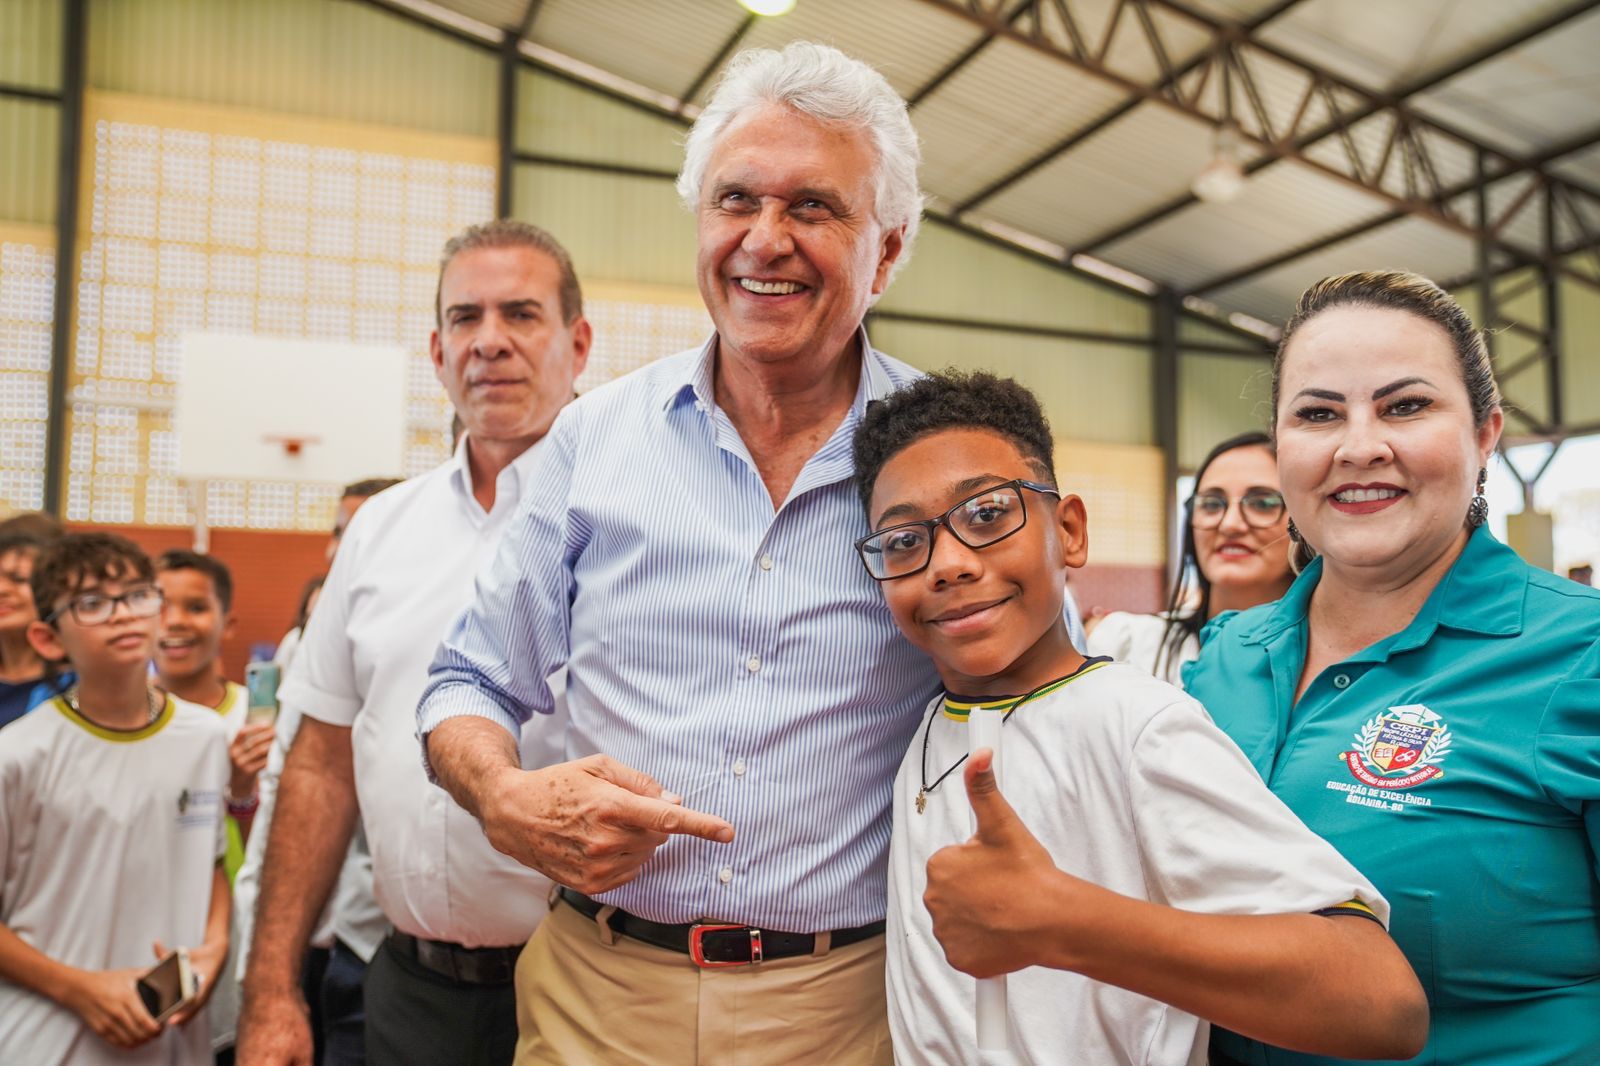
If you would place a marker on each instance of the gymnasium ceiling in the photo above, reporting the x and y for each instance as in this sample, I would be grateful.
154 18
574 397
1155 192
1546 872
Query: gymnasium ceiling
1446 137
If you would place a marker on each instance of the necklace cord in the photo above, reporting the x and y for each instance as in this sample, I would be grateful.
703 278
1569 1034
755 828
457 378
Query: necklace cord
927 731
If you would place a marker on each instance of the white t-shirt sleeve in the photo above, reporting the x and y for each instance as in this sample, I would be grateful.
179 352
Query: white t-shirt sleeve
322 684
1216 840
223 769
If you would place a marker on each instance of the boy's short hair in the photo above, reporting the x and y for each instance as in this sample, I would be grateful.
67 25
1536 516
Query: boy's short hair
951 399
368 487
212 567
20 543
65 566
40 525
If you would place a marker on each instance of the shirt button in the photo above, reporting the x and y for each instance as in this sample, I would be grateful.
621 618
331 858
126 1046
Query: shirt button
766 562
738 768
1341 681
753 664
725 874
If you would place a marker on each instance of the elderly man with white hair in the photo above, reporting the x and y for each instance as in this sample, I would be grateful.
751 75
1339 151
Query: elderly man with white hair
738 696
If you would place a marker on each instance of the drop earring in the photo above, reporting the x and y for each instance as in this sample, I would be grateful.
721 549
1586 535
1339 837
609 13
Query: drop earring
1478 509
1294 533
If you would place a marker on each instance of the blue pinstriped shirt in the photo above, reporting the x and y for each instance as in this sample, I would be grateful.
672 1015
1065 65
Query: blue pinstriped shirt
739 656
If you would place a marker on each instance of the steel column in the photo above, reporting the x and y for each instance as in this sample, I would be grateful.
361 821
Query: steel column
74 45
505 172
1164 376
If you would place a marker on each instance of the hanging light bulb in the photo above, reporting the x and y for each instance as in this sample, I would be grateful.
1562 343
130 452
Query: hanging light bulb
1222 179
769 8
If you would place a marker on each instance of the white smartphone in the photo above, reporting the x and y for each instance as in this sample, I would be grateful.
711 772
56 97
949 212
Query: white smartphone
167 986
261 687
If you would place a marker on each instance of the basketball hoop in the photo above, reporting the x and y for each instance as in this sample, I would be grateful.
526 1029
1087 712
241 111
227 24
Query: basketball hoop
291 445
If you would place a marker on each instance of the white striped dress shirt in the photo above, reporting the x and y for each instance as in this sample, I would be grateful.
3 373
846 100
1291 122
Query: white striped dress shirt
740 656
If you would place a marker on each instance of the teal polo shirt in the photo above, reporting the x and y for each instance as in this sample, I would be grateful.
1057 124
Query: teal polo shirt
1457 765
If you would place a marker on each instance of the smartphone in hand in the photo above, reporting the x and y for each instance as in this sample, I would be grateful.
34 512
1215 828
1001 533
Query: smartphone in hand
167 986
261 687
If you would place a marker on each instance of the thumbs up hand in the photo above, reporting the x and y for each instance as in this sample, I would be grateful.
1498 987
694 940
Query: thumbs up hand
985 895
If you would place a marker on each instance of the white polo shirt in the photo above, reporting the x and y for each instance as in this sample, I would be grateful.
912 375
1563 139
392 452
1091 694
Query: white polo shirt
1127 784
405 569
1139 640
108 842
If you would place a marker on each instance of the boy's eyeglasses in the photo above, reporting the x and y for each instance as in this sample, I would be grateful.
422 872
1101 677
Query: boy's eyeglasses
978 521
1261 508
94 609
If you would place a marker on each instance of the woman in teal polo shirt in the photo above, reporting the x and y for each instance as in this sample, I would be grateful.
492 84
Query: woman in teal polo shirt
1421 697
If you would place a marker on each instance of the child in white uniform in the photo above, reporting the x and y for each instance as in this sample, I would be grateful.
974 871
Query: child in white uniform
1146 881
110 828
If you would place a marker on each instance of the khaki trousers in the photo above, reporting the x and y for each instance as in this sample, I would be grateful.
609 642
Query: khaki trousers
587 996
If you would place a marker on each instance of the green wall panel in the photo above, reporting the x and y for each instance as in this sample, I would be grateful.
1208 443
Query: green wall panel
955 275
1095 392
557 118
30 43
327 58
1218 397
28 149
617 228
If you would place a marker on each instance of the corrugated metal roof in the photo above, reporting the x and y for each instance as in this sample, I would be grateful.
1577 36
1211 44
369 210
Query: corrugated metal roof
1281 207
1383 45
1531 97
1011 103
1140 161
1408 244
662 46
1002 109
906 40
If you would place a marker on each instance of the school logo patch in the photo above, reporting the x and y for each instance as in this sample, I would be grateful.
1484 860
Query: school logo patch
1399 749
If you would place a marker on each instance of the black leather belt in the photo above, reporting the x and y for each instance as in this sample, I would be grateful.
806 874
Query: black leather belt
467 966
712 945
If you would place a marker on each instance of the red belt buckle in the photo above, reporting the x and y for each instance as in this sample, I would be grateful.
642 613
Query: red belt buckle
697 933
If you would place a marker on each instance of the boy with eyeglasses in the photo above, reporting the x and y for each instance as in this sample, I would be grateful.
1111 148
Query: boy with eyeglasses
110 827
1141 877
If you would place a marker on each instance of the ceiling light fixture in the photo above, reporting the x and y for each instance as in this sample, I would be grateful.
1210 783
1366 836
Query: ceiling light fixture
769 8
1222 179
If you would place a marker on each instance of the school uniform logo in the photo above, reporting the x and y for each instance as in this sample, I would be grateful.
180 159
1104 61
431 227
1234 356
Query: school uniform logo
198 807
1399 749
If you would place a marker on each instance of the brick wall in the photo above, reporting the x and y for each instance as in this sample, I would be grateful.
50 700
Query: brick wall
1141 589
269 570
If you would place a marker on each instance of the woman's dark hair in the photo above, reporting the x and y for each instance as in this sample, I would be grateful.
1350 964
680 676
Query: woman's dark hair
1190 579
1399 290
302 614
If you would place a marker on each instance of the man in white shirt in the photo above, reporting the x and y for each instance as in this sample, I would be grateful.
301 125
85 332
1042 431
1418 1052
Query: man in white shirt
511 339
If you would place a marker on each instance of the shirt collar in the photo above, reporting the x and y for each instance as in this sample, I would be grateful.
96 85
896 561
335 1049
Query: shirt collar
695 381
1482 592
516 471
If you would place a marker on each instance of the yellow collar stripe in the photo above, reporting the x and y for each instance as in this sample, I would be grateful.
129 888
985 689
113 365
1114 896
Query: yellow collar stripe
232 691
119 736
958 710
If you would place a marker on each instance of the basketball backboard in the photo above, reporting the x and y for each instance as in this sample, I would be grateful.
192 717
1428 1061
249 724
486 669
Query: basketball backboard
280 409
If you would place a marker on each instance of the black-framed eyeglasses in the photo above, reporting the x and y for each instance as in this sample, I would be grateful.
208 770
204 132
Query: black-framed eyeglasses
95 609
1261 508
982 519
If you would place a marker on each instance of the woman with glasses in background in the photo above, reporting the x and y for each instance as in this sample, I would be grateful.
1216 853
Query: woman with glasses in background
1235 556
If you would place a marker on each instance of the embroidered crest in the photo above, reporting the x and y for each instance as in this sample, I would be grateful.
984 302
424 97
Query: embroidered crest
183 802
1400 748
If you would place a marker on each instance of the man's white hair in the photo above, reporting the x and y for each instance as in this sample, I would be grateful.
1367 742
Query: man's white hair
829 86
